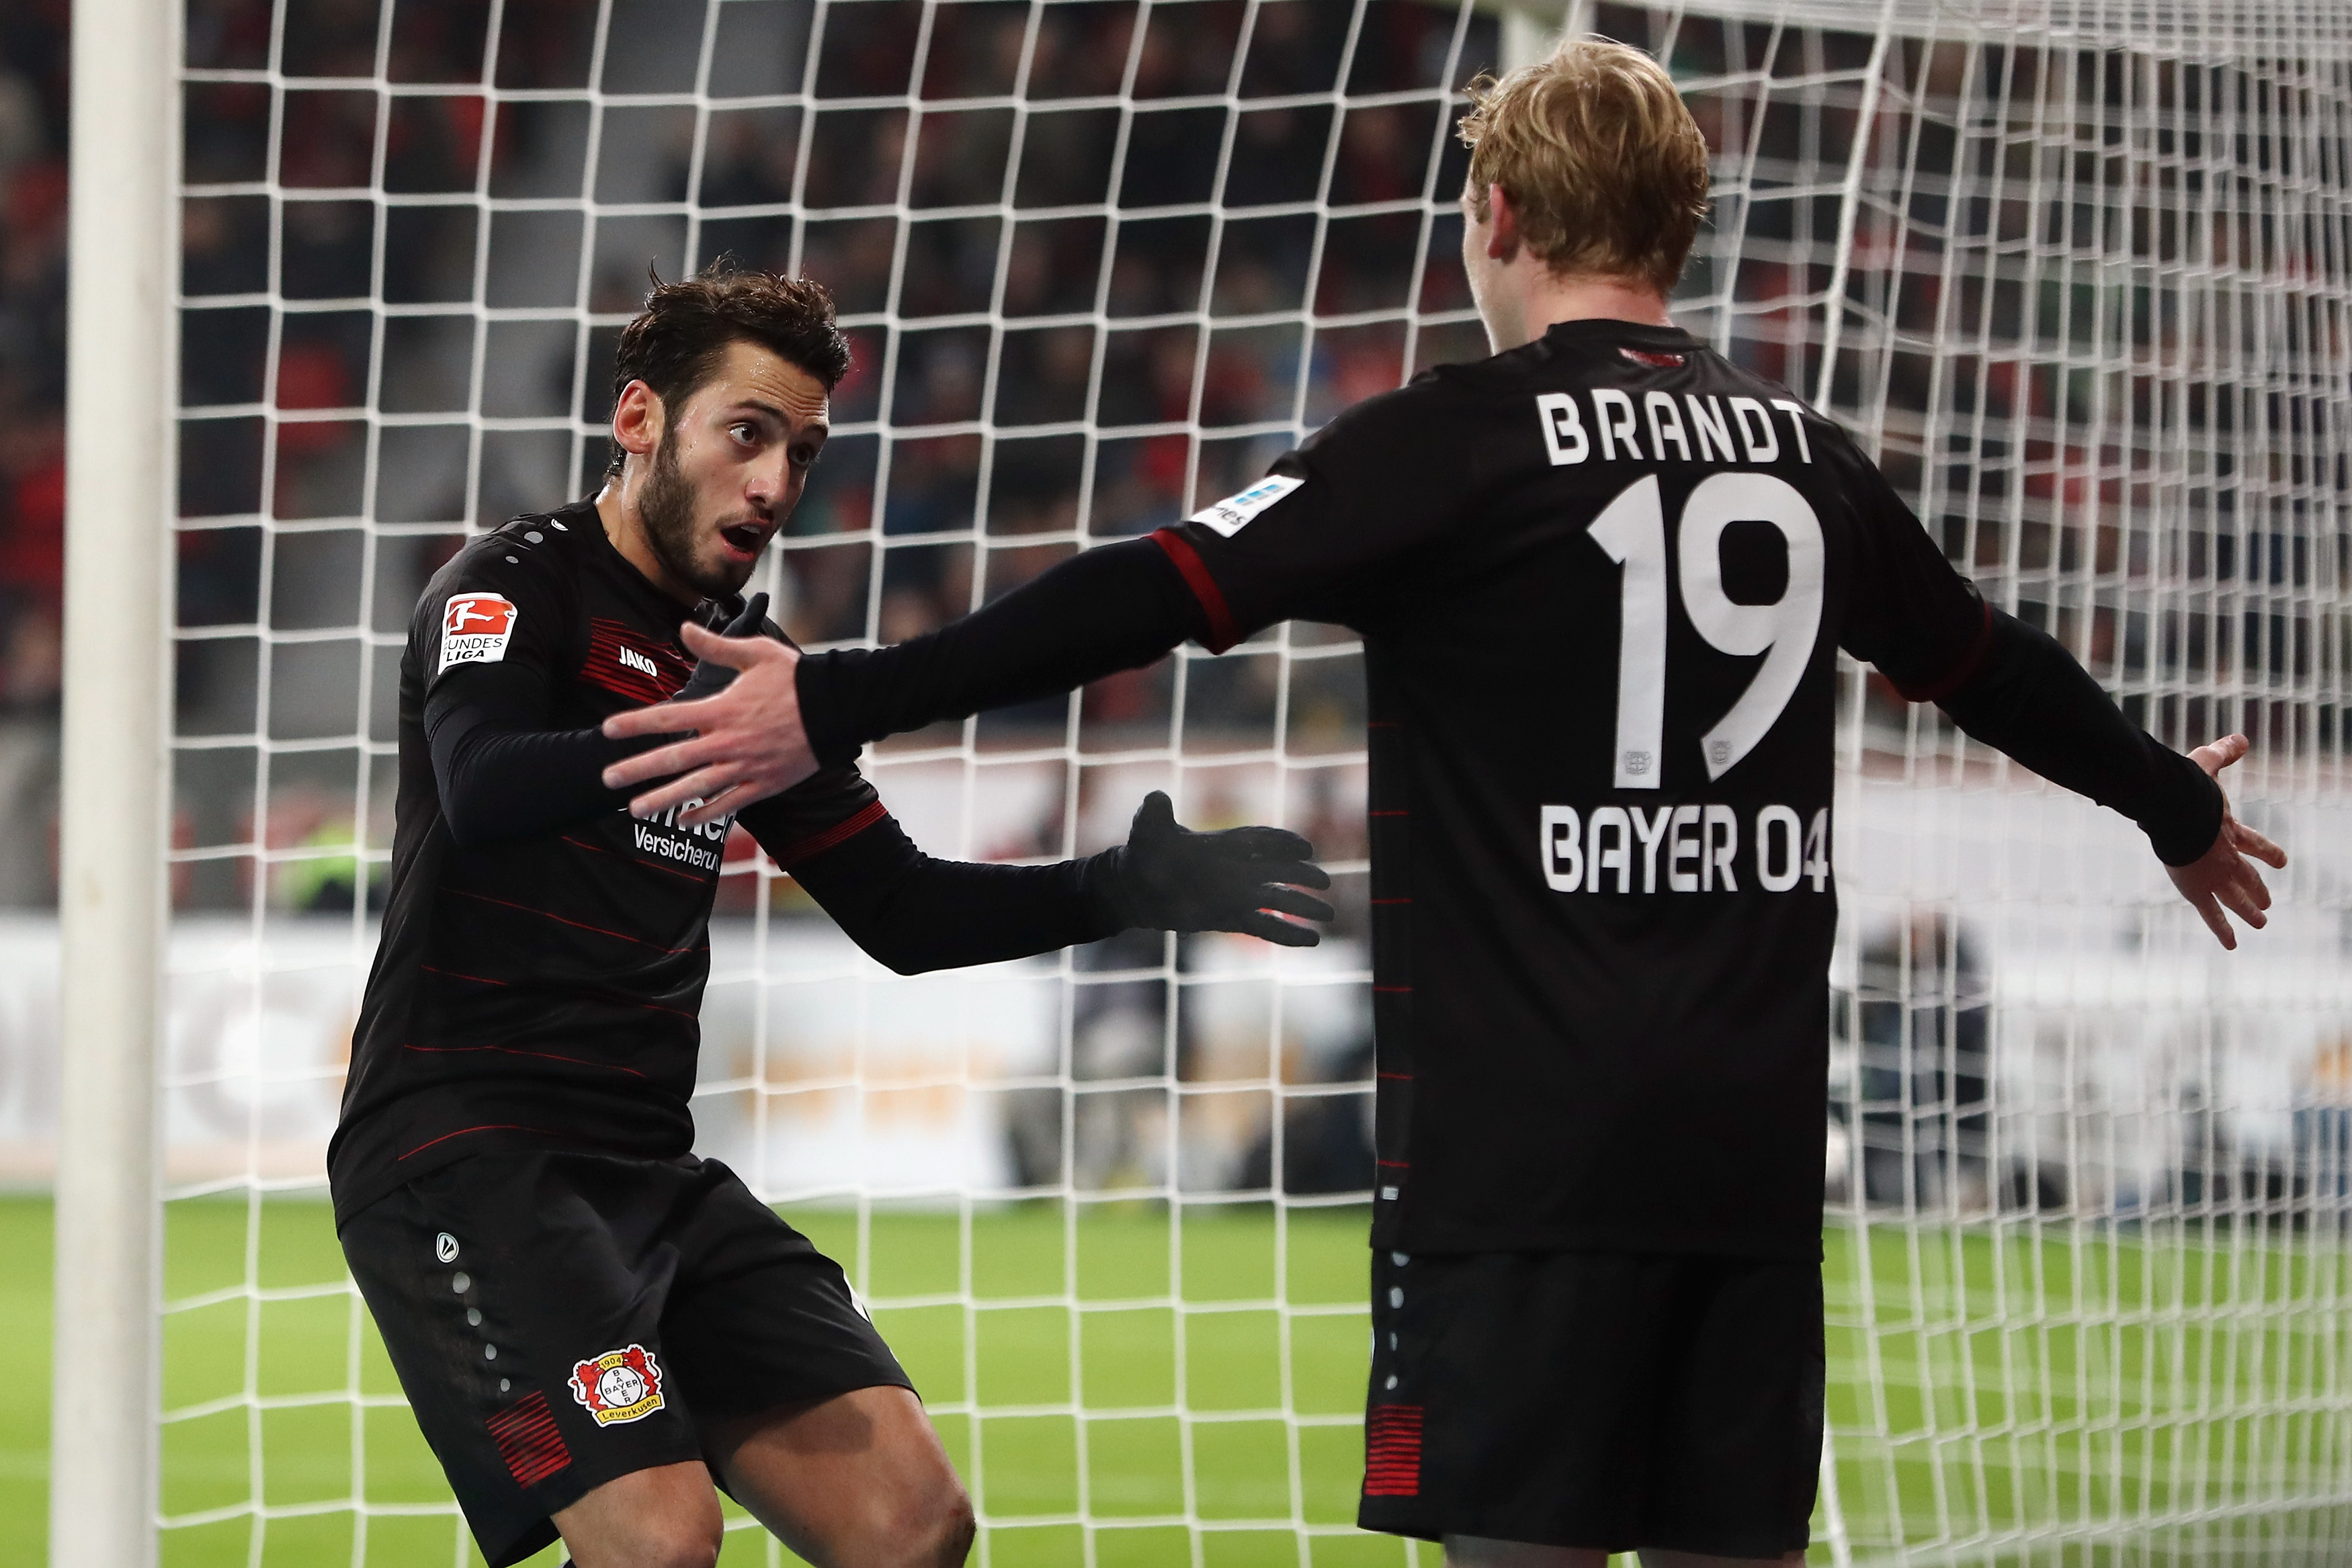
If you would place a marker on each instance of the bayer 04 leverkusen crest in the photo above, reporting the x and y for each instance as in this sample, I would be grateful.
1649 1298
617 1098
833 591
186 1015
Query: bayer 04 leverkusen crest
618 1385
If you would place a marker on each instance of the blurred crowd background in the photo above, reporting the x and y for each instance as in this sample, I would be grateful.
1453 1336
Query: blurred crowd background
401 305
32 431
1125 254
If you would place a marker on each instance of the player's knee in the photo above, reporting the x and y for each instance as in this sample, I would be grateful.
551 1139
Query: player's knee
962 1528
933 1531
651 1541
683 1549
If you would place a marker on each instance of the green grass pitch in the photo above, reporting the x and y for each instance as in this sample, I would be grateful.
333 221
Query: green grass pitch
2142 1393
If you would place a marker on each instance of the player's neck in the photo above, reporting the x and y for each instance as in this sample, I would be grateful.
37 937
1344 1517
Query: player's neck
625 525
1540 301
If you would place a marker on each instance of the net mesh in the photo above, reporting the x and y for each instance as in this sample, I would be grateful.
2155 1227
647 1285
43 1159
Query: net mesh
2075 274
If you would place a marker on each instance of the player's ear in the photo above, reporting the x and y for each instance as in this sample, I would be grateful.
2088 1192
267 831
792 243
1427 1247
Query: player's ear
637 419
1503 238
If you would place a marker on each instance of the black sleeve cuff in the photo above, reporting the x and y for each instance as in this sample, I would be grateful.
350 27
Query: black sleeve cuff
2028 697
2186 818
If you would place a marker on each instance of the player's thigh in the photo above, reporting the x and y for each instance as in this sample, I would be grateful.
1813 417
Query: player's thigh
1654 1557
1483 1552
667 1517
855 1480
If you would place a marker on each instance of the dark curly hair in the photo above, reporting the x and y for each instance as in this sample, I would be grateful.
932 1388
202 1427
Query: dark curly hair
677 341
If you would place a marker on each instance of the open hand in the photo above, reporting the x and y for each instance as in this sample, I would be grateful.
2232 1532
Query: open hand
1244 879
747 745
2223 877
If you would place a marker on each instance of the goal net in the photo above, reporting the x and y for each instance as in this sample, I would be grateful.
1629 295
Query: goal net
2076 272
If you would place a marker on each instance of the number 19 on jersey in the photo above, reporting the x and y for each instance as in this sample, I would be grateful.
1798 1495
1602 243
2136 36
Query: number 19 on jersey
1691 848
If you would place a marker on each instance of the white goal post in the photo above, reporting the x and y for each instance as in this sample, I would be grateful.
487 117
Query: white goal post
2077 273
121 428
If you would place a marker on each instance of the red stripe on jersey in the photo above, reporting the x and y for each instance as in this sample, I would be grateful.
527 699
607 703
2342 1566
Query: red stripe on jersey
695 876
817 844
604 666
1223 633
484 1127
598 996
1392 1451
528 1441
559 920
460 975
1957 675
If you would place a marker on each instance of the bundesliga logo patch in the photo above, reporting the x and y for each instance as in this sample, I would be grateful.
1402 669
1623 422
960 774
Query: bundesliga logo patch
618 1385
1228 514
474 629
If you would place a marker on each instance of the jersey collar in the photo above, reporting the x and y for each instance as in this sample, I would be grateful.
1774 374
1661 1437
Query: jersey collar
659 608
1593 329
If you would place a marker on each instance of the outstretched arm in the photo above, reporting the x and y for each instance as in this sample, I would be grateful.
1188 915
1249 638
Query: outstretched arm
2016 689
788 713
1335 531
2027 696
915 914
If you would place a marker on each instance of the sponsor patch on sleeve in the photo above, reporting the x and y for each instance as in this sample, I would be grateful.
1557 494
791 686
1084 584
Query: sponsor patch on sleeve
1228 514
475 630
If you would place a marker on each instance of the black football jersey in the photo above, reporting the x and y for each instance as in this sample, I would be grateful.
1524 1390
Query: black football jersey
1602 582
544 989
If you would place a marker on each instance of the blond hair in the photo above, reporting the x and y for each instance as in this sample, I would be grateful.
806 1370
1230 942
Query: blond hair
1605 168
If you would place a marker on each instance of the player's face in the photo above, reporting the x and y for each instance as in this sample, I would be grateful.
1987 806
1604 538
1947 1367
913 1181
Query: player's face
730 466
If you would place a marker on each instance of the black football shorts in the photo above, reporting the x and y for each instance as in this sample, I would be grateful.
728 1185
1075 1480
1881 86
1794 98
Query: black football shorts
561 1319
1598 1400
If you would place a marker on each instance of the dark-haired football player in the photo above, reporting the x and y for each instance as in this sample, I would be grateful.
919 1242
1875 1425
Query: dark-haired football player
591 1323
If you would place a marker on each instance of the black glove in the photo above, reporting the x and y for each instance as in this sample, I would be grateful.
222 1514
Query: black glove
711 678
1168 878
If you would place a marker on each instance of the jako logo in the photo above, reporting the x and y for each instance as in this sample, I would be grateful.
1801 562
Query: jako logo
636 661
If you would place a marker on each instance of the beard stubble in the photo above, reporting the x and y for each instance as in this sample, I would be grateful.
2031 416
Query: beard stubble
666 509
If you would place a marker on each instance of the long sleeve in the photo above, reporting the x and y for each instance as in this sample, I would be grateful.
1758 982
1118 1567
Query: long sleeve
1927 629
914 912
501 775
2028 697
1113 608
